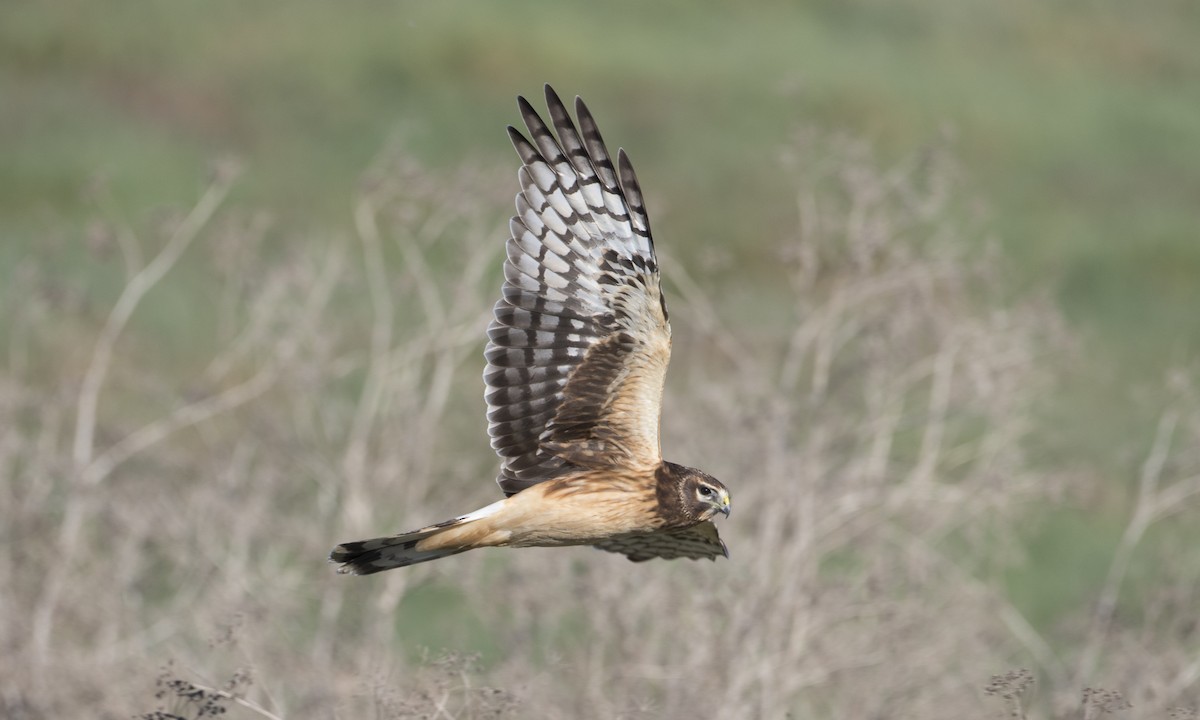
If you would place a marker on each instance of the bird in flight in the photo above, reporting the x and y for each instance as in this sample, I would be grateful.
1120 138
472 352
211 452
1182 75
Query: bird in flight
576 357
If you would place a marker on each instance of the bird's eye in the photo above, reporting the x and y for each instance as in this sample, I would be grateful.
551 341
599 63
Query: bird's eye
705 490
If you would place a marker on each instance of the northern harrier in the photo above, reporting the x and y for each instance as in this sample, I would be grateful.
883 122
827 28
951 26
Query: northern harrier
576 355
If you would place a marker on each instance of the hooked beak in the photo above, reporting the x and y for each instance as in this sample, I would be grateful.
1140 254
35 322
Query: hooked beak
725 503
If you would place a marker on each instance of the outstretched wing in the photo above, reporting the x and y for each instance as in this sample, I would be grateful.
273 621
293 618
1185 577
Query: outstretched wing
579 346
695 542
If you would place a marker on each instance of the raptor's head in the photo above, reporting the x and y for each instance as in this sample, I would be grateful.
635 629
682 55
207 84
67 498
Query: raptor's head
701 495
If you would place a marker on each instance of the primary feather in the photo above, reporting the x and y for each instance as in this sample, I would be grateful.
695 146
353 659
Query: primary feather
578 349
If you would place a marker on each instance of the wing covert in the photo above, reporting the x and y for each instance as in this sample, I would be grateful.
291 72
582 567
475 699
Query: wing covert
579 344
695 542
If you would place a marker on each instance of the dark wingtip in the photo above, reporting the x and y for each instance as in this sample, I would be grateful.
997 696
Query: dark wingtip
625 168
525 106
525 149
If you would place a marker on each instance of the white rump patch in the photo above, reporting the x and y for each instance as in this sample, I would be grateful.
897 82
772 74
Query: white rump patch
481 512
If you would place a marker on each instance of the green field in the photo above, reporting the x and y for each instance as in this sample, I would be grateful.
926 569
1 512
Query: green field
1075 125
1063 138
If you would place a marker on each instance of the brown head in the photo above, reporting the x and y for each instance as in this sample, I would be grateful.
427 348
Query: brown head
687 496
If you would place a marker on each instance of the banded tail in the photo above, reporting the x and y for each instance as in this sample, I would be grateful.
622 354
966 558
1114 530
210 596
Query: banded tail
444 539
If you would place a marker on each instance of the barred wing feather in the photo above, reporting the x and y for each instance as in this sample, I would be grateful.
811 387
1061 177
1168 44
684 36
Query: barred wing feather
695 542
579 345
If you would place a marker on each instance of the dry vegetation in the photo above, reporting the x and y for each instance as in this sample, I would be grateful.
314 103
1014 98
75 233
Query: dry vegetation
871 430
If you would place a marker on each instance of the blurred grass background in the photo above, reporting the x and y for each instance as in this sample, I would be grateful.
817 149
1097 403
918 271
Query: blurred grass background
1075 122
1075 126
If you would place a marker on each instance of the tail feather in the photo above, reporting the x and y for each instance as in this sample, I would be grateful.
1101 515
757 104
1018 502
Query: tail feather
371 556
366 557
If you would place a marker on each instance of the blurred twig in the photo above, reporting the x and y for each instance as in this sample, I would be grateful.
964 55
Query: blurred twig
354 499
83 447
1145 510
137 287
248 704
